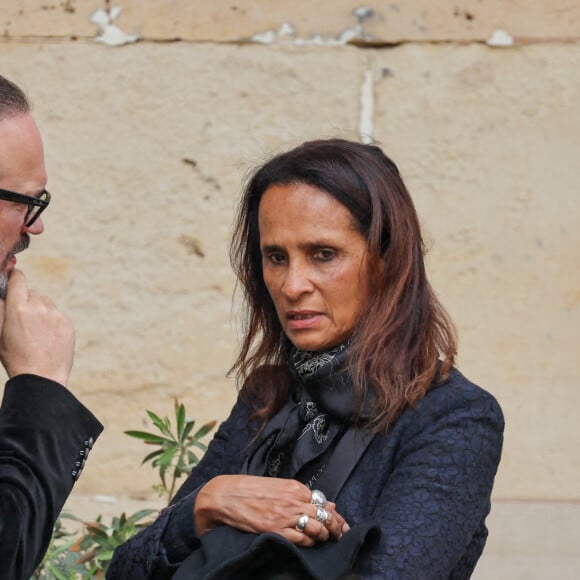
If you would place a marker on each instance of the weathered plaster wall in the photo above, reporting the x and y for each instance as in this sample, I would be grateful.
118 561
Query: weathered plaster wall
147 145
241 20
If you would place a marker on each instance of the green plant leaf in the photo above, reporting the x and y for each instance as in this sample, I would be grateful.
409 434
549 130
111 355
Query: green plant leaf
193 460
165 458
200 445
97 533
187 429
159 489
86 554
104 555
149 437
141 514
68 516
64 548
180 420
57 573
151 456
162 424
205 429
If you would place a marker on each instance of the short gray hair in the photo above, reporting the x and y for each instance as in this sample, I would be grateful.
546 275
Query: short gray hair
13 101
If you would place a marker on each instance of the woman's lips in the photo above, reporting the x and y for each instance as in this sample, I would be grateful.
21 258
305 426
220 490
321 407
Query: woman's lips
302 319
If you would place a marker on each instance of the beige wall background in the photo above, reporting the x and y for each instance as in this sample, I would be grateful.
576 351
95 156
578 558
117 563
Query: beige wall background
147 144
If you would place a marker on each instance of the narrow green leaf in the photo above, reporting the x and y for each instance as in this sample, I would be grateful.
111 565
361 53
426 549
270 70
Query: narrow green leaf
162 471
57 573
205 429
166 457
162 424
68 516
63 548
151 456
155 418
141 514
180 420
104 555
187 429
148 437
96 533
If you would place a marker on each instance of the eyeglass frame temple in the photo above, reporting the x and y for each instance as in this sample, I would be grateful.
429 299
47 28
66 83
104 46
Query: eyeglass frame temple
28 200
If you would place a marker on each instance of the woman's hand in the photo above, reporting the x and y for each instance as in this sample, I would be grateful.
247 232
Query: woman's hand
265 504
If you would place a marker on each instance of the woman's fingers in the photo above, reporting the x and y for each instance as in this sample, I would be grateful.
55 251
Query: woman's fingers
323 523
249 503
265 504
316 523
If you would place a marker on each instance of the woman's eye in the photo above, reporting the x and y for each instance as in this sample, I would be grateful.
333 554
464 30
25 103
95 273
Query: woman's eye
325 255
276 258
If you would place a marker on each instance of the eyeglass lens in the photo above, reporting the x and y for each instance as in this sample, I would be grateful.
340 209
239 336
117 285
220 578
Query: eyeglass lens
34 211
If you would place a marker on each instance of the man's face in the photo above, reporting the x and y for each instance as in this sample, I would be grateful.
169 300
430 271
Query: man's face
22 170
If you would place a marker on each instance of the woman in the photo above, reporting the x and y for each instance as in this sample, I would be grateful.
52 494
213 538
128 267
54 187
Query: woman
348 389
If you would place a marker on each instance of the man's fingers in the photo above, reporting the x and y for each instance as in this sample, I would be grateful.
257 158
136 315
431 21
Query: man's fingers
45 300
17 290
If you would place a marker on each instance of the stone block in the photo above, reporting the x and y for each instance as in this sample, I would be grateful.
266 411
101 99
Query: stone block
329 22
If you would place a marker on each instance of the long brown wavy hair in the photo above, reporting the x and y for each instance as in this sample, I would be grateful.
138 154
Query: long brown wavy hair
404 341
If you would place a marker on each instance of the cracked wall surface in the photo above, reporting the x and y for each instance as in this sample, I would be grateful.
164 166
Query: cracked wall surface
148 143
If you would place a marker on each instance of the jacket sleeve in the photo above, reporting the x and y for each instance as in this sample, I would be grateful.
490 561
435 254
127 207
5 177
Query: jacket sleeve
157 551
45 437
432 506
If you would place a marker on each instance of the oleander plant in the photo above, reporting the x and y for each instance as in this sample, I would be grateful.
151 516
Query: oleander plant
87 553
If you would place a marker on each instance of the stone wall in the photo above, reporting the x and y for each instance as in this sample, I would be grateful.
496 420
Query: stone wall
148 143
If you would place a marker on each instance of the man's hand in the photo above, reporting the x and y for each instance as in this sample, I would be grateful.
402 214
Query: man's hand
36 338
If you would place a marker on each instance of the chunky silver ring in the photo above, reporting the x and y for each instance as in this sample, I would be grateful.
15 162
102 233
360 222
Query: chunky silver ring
321 515
301 523
317 498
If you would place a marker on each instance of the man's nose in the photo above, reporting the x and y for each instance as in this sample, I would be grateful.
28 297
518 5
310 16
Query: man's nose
35 229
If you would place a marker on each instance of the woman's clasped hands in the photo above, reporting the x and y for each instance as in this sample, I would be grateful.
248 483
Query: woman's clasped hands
265 504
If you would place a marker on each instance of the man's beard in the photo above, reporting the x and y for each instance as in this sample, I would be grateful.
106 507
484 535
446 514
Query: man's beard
3 285
20 246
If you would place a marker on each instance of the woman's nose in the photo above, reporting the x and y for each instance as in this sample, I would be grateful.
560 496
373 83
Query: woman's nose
296 281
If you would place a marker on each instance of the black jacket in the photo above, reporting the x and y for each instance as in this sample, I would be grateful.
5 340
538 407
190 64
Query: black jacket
45 438
427 484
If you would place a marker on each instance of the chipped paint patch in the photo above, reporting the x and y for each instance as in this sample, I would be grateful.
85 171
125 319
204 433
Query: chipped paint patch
268 37
110 34
286 34
500 38
367 108
287 30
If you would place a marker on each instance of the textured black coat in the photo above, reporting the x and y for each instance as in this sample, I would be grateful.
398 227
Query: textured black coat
45 437
427 484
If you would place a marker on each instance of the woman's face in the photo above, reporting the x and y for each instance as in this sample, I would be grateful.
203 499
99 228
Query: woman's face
315 264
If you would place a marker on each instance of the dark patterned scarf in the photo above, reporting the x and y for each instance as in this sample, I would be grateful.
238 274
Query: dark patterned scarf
297 442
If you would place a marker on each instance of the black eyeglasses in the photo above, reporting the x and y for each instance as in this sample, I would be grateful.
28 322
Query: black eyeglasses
36 205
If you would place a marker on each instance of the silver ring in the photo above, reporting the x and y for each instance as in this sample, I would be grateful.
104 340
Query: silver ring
321 515
317 498
301 523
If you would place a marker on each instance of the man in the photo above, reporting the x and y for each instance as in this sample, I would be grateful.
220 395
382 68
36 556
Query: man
45 433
